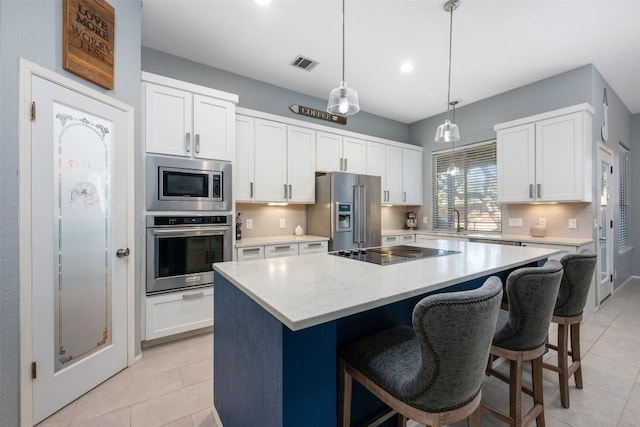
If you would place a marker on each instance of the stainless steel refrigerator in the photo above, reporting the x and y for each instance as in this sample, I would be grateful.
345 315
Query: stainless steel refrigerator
347 210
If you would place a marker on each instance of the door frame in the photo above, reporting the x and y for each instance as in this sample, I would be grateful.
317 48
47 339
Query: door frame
609 230
27 71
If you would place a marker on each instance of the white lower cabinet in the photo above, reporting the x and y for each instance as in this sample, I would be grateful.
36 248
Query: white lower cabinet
564 249
398 239
250 252
313 248
281 250
176 312
276 251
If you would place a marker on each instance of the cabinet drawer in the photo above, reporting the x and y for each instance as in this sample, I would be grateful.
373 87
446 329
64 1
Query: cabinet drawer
390 240
275 251
176 312
313 248
407 238
250 252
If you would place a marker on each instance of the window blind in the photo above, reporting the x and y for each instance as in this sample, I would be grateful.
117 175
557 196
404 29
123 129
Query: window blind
623 238
465 180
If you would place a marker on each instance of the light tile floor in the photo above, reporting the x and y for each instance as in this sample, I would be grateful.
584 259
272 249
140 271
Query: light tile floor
172 385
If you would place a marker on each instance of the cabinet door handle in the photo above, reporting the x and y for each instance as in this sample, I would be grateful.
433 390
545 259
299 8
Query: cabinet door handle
290 191
251 190
285 191
341 162
531 191
193 296
251 250
279 248
197 142
314 244
345 164
539 190
187 142
404 196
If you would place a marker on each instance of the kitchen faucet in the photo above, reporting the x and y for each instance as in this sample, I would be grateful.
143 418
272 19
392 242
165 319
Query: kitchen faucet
457 214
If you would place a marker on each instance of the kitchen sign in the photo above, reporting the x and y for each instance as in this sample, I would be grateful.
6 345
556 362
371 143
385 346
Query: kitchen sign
318 114
88 40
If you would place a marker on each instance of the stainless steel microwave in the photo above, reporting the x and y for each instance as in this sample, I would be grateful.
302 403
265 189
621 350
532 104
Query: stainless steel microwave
174 184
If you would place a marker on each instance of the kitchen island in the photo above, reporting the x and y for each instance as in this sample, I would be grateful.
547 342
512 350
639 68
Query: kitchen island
279 324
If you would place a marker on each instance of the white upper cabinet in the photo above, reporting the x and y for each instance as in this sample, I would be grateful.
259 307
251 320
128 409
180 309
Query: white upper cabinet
273 162
400 172
412 177
546 158
336 153
244 159
182 119
301 177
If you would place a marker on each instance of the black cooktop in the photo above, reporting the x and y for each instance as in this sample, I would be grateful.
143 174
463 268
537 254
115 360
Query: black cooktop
392 254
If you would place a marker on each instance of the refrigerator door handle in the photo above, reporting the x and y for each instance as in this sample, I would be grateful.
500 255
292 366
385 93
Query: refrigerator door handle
363 212
355 214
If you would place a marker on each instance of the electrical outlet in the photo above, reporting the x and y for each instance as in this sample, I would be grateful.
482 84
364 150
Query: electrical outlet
425 220
573 223
542 222
515 222
282 223
249 224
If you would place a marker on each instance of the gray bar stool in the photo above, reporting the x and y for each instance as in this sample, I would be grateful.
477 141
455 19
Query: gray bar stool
433 372
520 337
572 297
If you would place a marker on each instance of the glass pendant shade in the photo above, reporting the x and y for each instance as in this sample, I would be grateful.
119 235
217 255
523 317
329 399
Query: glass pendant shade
447 132
343 100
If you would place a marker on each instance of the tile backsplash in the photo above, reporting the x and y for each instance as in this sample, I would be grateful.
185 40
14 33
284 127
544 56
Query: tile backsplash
266 219
557 218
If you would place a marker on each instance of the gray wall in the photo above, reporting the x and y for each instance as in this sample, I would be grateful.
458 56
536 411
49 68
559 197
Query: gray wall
260 96
476 120
619 131
33 30
584 84
635 193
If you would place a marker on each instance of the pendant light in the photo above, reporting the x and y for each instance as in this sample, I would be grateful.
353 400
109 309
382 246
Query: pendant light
453 169
343 100
449 132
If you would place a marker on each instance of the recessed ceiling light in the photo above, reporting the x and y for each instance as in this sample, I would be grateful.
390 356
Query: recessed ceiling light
406 67
262 2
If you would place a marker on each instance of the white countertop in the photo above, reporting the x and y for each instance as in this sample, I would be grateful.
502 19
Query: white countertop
550 240
275 240
308 290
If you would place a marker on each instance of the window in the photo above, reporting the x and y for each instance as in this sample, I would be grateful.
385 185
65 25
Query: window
465 181
623 237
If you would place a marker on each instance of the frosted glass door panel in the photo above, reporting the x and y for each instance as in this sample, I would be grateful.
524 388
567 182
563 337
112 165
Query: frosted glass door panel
81 191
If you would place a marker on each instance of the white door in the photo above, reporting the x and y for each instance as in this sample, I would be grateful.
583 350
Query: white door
328 152
412 176
354 152
393 173
376 158
516 163
168 120
78 223
243 165
605 224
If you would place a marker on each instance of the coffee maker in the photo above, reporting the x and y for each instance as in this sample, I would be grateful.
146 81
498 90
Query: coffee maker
411 221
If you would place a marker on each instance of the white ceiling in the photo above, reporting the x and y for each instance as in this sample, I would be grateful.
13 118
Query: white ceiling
497 45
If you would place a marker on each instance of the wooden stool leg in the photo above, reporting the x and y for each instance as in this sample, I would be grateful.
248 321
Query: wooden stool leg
575 353
515 391
401 420
474 418
563 374
538 393
344 404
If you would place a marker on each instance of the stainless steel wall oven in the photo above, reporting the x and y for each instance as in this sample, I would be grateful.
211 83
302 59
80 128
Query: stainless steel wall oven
182 249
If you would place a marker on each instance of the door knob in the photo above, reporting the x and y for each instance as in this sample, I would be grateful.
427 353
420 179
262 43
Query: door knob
122 253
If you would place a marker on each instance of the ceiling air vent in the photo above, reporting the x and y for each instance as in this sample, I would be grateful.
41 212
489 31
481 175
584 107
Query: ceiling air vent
304 63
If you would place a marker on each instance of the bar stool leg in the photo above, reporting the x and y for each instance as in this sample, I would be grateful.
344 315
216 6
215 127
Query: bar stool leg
563 374
538 393
346 381
474 418
515 391
575 353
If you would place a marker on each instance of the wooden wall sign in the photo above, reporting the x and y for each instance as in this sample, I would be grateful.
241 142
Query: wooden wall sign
318 114
88 40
